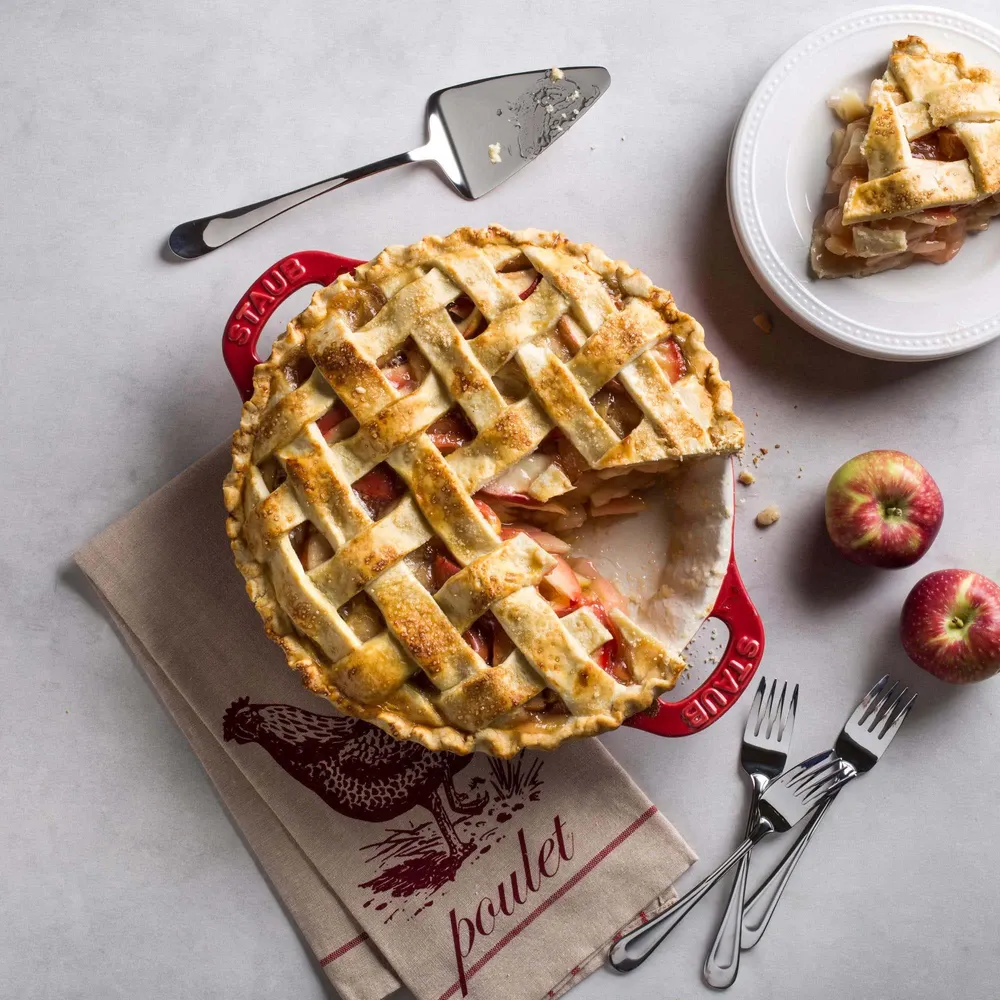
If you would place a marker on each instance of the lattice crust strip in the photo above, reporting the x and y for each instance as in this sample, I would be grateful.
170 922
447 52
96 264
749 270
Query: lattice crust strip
924 90
916 166
419 678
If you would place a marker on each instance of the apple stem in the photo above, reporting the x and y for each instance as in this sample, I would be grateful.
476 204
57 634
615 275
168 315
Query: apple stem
894 512
957 622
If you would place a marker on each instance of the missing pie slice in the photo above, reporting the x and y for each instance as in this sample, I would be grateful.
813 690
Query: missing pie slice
915 168
420 447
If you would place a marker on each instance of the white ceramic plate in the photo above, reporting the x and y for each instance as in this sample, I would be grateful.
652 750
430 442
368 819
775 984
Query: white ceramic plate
777 173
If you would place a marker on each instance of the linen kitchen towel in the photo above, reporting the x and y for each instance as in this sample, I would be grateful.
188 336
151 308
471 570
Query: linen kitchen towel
342 949
464 876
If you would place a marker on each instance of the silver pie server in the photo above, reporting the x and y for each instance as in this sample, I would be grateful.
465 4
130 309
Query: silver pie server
478 133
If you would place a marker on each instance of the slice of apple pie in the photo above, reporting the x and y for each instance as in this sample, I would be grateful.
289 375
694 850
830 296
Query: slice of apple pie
914 168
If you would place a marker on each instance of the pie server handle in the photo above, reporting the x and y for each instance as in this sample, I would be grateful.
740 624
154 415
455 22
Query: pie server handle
731 676
201 236
255 308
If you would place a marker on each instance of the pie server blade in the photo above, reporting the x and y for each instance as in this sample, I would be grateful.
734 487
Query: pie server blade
523 114
478 133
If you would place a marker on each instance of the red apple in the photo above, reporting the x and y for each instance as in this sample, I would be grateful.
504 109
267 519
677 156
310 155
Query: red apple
883 509
950 625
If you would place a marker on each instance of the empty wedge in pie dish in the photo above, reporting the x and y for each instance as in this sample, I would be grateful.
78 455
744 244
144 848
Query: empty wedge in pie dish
420 448
916 166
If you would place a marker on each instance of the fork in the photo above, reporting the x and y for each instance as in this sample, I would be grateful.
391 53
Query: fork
766 739
861 743
786 801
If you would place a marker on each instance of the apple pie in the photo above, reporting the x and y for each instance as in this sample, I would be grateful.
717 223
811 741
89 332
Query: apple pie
420 446
915 167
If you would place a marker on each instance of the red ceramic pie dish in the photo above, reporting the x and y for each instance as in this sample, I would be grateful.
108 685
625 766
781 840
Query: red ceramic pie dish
693 712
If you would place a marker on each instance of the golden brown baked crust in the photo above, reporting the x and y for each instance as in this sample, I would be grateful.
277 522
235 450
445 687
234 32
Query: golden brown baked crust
417 678
930 141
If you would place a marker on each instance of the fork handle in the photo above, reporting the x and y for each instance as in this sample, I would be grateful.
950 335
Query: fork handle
632 949
761 905
723 962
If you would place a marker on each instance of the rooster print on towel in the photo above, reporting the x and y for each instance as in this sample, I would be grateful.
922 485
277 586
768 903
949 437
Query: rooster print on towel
364 773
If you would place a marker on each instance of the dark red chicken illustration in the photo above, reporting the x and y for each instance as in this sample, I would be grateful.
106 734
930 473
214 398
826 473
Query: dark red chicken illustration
356 768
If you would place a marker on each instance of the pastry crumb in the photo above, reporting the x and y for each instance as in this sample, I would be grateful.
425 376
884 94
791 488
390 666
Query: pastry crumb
746 477
494 150
763 450
763 322
556 74
768 516
550 108
575 96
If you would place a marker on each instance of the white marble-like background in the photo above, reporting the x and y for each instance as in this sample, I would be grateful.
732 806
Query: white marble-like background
120 875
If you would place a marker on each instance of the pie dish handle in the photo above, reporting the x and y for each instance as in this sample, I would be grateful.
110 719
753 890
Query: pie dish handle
730 678
255 308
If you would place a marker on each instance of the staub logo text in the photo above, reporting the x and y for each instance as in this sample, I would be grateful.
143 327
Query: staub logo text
727 686
261 297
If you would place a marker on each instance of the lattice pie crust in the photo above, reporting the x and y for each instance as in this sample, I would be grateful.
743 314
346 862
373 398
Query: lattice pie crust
916 167
443 383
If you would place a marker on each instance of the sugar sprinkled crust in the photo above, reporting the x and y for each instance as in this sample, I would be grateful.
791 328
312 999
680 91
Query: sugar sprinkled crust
346 329
929 140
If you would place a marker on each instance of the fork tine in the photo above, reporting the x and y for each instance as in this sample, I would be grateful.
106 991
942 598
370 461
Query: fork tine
805 771
820 777
895 718
774 721
765 714
827 788
754 715
863 709
879 712
893 701
788 721
810 770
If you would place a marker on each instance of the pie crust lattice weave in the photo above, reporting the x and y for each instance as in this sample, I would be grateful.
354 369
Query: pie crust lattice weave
417 677
917 165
